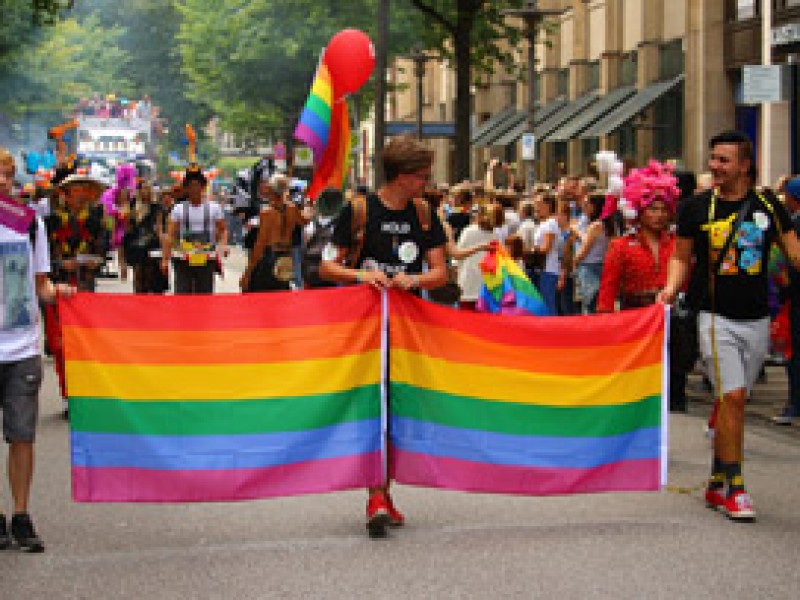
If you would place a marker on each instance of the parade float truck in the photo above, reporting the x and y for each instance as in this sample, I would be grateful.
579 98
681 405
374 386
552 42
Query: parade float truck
109 141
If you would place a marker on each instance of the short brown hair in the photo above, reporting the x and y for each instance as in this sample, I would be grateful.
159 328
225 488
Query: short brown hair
7 159
405 154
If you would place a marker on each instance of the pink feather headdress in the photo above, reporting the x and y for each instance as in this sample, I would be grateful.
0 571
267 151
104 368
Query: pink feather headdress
653 182
126 177
641 187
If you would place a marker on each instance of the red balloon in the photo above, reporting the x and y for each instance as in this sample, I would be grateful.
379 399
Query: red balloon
350 57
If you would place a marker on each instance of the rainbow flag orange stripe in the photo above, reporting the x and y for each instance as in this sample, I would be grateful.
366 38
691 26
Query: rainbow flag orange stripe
190 398
527 406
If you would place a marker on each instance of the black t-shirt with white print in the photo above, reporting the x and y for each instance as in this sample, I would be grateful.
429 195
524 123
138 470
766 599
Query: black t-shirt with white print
394 241
741 281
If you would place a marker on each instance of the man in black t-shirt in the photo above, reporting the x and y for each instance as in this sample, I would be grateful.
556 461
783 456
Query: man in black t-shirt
729 231
396 245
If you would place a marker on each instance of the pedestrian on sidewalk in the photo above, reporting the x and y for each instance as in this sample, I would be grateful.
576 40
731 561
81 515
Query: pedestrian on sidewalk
26 263
792 410
729 231
385 239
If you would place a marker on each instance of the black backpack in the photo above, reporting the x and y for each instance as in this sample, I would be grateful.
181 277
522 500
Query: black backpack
315 246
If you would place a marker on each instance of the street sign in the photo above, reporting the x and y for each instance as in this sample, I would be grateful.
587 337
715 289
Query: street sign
528 146
761 84
429 128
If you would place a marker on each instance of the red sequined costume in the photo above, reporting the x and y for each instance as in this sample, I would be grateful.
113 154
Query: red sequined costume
632 273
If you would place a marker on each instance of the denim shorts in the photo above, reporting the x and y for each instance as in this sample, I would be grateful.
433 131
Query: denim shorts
19 398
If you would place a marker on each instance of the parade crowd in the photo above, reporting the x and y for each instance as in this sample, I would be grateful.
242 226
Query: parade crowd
721 250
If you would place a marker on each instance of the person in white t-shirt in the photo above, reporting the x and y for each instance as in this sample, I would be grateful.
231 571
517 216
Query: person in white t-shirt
478 233
545 242
200 222
24 265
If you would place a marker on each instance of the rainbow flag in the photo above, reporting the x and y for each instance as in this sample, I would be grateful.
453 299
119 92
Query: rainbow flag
506 288
332 170
527 406
315 121
212 398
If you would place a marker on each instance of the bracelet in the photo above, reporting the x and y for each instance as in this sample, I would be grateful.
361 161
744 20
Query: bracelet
359 276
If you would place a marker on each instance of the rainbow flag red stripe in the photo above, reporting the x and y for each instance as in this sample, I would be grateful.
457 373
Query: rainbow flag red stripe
190 398
526 406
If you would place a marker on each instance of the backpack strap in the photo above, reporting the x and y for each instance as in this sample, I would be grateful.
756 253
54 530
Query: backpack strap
358 227
423 213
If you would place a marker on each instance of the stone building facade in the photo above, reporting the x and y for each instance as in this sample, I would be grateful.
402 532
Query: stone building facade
645 78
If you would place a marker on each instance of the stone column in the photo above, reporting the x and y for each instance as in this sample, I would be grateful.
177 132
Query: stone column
611 59
648 71
709 94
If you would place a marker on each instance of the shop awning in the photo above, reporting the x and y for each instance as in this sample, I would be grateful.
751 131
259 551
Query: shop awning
591 115
491 122
568 112
631 107
513 135
500 129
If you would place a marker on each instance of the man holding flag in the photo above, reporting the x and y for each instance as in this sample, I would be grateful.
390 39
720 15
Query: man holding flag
385 239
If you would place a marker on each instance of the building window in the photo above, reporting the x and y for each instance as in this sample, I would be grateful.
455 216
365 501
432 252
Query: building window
629 70
563 82
672 59
593 82
746 9
668 115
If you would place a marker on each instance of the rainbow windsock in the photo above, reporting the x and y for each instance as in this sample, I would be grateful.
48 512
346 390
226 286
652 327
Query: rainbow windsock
506 288
527 406
313 129
213 398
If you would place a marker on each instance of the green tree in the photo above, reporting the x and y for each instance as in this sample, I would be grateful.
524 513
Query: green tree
65 63
477 37
252 61
154 66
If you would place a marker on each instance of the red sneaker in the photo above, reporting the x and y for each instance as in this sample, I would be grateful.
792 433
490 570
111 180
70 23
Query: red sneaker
396 518
377 515
739 507
715 498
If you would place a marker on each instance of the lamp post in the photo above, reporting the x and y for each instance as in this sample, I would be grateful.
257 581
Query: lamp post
419 58
532 16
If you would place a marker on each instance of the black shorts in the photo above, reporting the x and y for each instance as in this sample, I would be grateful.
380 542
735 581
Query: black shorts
19 398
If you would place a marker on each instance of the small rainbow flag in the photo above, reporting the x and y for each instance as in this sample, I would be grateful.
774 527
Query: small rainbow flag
527 406
212 398
506 288
314 126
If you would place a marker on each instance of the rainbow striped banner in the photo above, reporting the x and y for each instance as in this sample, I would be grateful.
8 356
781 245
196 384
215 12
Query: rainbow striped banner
211 398
491 403
506 289
315 120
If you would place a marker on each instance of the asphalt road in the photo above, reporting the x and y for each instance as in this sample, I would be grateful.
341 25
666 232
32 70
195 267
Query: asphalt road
455 545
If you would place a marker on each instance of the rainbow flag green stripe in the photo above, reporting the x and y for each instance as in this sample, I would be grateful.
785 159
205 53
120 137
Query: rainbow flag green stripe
523 419
230 417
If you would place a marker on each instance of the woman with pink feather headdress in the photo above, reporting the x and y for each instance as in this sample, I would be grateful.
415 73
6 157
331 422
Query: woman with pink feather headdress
116 201
635 267
636 263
